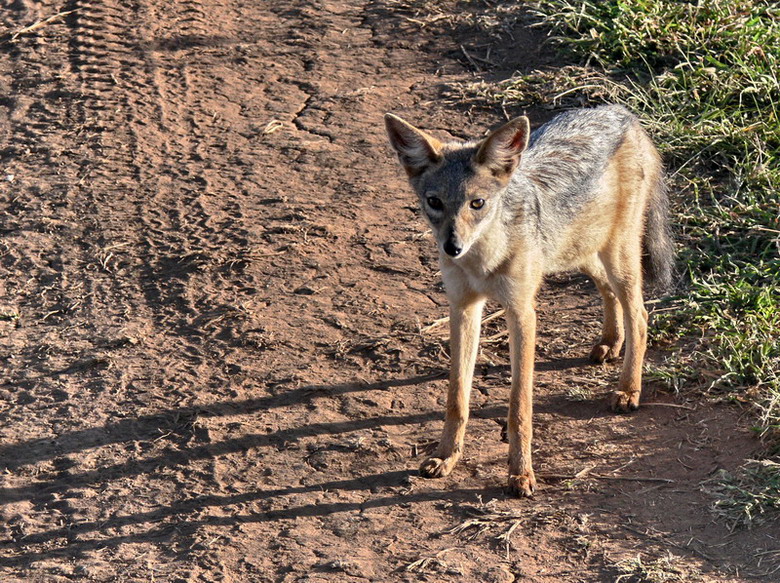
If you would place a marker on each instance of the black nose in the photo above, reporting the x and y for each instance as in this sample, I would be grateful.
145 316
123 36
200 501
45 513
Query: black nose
451 249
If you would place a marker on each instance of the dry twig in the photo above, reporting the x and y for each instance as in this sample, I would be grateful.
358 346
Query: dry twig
39 24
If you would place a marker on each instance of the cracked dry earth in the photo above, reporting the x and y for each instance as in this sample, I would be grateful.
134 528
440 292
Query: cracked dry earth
216 299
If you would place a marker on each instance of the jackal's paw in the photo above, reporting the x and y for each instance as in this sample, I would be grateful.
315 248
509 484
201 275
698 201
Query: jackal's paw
522 485
604 352
436 467
623 402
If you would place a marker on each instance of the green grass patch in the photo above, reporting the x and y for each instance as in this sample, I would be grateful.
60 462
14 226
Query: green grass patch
9 317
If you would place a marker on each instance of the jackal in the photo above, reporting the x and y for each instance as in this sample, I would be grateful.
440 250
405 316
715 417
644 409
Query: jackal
584 191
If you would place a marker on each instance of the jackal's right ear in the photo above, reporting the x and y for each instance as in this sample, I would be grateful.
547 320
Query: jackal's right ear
500 152
416 150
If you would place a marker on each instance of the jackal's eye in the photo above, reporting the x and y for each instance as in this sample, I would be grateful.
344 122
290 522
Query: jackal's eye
477 203
435 203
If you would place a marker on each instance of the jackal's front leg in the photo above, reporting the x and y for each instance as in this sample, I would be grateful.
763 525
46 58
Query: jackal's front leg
521 320
465 319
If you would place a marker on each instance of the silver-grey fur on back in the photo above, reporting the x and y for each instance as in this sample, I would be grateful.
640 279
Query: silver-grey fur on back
556 177
564 159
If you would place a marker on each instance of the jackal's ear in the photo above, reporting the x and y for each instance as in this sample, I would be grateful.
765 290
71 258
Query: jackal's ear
416 150
500 152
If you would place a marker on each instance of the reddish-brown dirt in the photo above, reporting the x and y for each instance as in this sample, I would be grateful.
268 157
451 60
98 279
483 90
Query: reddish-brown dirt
214 297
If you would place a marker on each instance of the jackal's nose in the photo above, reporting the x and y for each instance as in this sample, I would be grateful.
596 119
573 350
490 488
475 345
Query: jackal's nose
452 249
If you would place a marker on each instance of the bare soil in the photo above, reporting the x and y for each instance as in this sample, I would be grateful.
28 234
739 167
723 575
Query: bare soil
216 295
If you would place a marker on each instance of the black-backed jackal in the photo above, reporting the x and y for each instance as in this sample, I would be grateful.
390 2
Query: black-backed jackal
585 191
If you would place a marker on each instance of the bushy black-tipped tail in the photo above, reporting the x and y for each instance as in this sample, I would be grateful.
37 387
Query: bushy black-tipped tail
658 245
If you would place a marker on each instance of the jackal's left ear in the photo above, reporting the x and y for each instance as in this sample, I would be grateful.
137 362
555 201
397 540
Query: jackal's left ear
500 151
416 150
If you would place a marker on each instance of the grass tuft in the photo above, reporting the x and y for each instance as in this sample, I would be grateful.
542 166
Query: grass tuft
667 569
749 496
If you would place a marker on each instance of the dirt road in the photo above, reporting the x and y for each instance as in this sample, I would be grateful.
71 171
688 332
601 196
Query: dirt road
215 305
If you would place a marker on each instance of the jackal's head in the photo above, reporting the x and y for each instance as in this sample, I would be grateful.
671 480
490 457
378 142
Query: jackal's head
460 185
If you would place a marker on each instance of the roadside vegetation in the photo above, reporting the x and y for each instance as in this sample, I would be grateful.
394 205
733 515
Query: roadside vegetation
703 76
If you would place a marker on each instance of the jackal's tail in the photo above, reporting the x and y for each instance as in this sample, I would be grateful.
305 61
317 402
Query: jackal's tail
658 246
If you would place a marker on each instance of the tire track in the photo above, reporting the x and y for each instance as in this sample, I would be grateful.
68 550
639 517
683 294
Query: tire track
143 230
116 93
198 192
47 217
140 159
37 237
155 141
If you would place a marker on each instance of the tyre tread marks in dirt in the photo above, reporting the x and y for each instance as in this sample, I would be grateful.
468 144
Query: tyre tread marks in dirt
148 160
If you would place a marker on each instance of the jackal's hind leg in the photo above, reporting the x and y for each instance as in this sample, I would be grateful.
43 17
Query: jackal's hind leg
612 334
625 276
